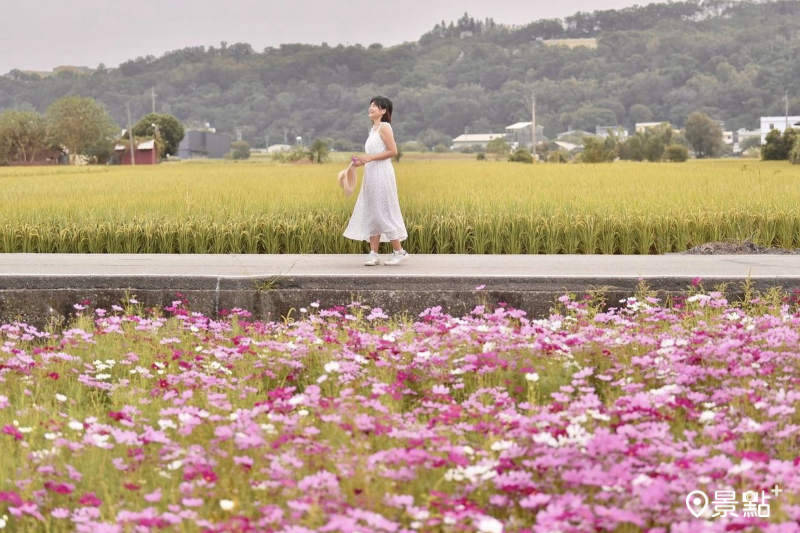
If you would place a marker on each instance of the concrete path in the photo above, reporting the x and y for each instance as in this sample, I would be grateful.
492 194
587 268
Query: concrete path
447 266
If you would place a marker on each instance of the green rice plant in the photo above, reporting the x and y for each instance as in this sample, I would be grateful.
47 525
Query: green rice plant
572 236
588 233
482 235
534 235
514 235
462 231
441 235
645 236
784 230
608 235
664 228
553 229
626 231
767 231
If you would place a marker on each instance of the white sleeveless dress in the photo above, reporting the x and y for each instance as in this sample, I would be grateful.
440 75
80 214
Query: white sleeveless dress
377 210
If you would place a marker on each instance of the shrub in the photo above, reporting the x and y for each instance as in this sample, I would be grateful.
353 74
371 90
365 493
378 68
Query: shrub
676 153
240 150
794 155
481 156
521 155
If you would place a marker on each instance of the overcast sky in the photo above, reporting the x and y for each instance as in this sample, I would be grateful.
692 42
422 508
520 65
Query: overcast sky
43 34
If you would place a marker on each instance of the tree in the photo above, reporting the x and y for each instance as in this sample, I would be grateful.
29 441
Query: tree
640 113
754 141
240 150
774 148
654 147
521 155
318 151
78 123
597 151
676 153
23 134
794 153
633 148
704 135
170 131
499 147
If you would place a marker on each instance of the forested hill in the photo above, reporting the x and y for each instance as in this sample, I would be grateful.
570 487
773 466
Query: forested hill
730 59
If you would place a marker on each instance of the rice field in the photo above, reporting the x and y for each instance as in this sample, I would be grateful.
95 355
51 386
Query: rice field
450 206
593 419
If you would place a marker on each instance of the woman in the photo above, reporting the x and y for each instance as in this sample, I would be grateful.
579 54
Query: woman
376 216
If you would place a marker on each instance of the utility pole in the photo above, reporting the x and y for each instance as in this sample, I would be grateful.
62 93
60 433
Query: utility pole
130 133
153 96
786 109
533 117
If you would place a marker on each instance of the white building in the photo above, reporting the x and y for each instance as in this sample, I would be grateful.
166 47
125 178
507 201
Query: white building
777 123
479 140
642 127
619 132
521 134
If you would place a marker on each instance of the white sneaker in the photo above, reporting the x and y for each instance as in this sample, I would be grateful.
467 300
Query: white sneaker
397 258
372 260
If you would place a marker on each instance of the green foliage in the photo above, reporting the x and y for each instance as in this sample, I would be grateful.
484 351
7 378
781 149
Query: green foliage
640 113
481 156
557 156
499 148
676 153
318 151
23 135
521 155
240 150
794 154
296 153
597 150
775 147
649 145
704 135
170 131
431 138
78 123
753 141
344 145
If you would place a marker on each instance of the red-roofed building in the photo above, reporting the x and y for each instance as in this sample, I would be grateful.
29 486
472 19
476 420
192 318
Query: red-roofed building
145 153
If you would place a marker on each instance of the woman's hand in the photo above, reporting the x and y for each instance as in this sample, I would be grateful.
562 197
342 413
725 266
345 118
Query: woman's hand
362 160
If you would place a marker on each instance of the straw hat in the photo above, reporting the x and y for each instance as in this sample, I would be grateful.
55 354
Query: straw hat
347 180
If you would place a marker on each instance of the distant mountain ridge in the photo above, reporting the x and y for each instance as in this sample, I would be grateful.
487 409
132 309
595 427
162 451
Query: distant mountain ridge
730 59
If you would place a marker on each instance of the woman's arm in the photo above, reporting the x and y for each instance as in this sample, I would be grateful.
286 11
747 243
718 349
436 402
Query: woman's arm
387 136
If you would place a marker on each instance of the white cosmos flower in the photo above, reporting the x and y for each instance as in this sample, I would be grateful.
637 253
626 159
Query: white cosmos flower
490 525
226 505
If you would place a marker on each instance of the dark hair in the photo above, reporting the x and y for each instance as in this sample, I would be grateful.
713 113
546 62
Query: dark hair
383 103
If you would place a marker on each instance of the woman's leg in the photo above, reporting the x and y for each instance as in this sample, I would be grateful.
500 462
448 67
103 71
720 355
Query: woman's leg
396 246
374 243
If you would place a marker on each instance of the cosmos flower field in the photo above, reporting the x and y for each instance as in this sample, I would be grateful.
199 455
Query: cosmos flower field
594 419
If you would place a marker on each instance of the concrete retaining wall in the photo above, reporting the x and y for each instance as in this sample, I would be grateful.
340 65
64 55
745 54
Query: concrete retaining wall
40 300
